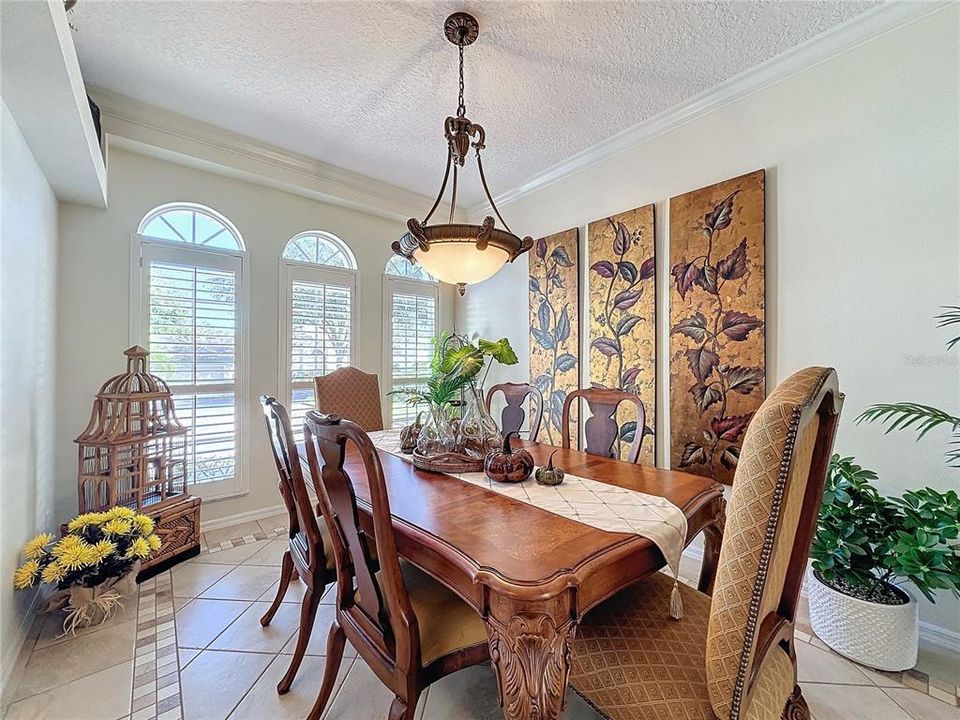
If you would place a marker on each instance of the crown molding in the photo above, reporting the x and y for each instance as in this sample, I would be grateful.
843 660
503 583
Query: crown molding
835 41
150 130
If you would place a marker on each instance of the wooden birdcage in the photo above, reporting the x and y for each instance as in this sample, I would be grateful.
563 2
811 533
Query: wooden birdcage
133 453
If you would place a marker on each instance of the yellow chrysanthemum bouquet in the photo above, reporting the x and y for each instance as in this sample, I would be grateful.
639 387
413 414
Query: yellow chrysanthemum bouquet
93 565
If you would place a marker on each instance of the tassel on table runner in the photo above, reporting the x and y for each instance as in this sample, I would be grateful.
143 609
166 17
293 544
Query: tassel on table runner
676 601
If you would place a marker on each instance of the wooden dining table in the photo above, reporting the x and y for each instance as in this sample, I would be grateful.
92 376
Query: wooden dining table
529 573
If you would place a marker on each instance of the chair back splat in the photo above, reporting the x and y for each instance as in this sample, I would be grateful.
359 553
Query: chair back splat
601 429
513 414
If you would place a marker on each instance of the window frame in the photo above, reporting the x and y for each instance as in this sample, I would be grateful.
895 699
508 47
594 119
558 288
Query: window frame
291 270
391 285
190 254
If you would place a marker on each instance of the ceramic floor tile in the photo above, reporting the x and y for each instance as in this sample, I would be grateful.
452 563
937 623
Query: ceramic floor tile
263 701
847 702
216 681
821 666
280 520
51 626
270 554
231 556
939 663
186 655
192 578
880 679
245 582
78 657
246 632
318 638
362 695
294 594
923 707
104 694
202 620
214 537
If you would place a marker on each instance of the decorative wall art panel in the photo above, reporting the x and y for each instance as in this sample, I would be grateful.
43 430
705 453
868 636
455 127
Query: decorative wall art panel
716 323
622 318
555 328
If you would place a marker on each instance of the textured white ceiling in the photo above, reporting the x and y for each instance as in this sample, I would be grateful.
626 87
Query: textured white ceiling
366 85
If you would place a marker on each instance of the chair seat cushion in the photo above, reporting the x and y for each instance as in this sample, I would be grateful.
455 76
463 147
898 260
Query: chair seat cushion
446 622
299 544
632 662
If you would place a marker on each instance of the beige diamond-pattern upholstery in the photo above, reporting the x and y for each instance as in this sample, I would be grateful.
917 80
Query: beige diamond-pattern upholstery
769 458
633 664
351 394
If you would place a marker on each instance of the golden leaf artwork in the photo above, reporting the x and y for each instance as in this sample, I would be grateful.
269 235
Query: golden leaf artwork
717 325
622 319
555 328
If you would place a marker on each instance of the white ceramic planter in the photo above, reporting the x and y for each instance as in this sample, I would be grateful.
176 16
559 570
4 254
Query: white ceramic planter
878 636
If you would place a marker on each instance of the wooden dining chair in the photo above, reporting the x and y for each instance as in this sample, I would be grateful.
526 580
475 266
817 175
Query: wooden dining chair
309 552
352 394
730 657
601 429
410 629
513 413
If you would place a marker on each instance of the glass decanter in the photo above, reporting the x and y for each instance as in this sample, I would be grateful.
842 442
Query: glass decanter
437 435
477 433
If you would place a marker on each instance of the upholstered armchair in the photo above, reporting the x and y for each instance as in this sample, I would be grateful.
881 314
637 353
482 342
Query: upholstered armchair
731 657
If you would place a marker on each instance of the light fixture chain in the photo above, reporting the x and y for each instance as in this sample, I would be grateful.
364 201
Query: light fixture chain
461 107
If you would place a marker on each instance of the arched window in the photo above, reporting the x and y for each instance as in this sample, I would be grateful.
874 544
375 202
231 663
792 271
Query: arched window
317 315
411 308
191 286
320 248
401 267
193 224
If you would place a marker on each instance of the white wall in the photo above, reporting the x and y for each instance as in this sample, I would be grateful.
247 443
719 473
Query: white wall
863 243
28 263
94 299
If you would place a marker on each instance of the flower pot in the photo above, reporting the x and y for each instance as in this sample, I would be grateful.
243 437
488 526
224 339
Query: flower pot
873 634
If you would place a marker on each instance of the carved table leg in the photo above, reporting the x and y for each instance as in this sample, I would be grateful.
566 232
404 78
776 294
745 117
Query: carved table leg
796 708
712 539
530 653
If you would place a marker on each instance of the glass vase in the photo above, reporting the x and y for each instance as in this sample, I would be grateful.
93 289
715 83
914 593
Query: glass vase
477 433
437 435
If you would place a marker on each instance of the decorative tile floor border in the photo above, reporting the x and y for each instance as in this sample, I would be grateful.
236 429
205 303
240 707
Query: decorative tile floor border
915 679
245 540
156 669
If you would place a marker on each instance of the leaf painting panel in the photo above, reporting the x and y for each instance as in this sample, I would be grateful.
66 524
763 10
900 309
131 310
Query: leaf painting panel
622 318
555 328
717 326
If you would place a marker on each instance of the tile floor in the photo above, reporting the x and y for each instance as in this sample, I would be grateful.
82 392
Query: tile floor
191 647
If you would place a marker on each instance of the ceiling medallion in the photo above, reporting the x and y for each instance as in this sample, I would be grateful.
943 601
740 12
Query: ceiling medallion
460 253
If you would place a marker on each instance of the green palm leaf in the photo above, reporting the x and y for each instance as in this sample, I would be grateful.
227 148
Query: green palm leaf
905 415
950 317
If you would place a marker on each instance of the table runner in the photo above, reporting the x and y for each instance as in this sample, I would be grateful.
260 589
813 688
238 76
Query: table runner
591 502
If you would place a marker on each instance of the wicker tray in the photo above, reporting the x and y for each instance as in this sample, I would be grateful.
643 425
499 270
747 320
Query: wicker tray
448 463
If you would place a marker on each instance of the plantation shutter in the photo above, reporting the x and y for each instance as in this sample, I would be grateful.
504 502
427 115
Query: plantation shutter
192 309
412 327
320 333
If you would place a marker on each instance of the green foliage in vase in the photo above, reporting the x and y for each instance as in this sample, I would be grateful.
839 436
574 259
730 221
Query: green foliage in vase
865 540
456 363
922 418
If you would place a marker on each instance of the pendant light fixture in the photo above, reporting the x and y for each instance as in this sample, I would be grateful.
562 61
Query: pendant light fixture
460 253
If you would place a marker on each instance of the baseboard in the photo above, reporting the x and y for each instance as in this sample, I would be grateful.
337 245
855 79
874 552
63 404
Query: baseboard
929 633
249 516
8 665
940 636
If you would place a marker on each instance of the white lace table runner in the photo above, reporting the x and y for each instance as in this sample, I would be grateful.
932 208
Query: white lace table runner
594 503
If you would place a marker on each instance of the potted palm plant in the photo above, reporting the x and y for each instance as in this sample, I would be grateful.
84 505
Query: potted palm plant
867 544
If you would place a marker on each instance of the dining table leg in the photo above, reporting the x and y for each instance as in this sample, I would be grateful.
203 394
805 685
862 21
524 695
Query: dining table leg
530 653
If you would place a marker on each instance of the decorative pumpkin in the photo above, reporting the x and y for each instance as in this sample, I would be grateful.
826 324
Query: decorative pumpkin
549 475
508 465
409 435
